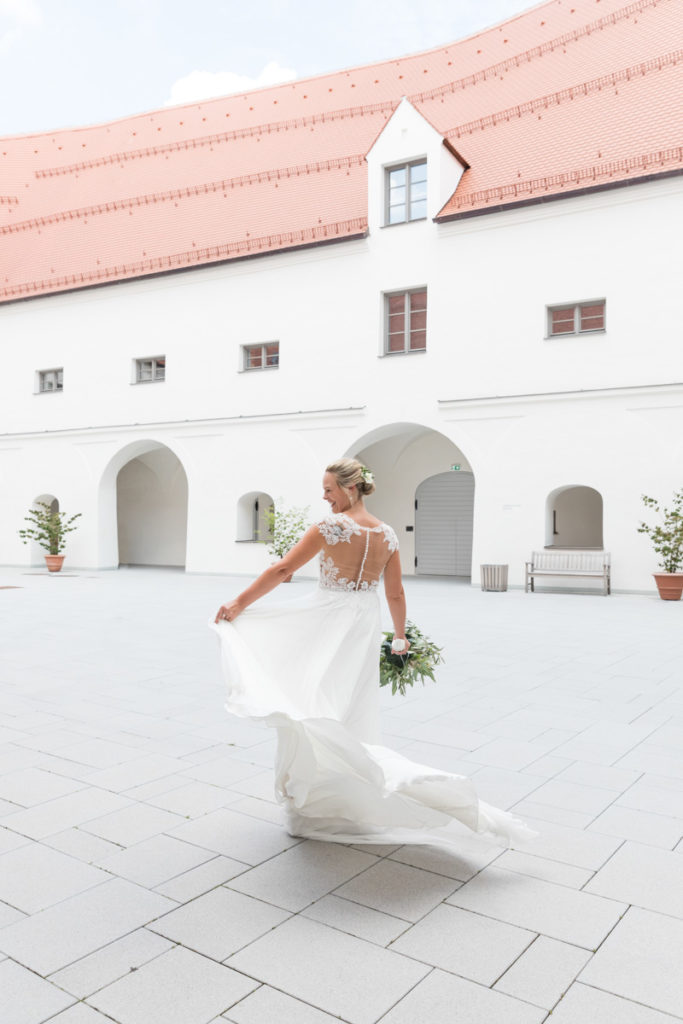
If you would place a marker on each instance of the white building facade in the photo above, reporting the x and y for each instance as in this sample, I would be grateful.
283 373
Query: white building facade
427 348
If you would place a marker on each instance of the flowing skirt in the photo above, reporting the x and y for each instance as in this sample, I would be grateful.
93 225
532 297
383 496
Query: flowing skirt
310 670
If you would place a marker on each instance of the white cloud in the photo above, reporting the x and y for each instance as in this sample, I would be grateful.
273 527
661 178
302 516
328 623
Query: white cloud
15 17
204 85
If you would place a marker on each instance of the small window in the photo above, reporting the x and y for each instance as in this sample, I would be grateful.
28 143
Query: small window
50 380
149 370
405 317
580 318
261 357
406 192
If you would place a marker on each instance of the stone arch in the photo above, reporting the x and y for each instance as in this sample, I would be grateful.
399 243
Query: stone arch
402 456
252 523
573 517
143 500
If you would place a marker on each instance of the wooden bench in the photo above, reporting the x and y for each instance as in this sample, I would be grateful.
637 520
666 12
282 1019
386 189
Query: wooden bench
591 564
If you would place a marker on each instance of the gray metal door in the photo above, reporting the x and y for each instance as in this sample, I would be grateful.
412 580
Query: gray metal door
444 521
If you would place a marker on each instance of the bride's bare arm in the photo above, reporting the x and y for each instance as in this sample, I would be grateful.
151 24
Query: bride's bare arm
303 552
395 595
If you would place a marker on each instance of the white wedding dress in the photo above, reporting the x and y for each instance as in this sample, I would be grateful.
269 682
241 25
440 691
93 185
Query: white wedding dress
310 670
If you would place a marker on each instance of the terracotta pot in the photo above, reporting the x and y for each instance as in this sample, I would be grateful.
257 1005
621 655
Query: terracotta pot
669 585
54 562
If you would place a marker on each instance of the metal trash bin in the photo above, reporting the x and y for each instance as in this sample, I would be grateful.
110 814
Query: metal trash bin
494 577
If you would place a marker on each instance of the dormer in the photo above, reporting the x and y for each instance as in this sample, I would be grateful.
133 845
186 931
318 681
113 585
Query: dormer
412 170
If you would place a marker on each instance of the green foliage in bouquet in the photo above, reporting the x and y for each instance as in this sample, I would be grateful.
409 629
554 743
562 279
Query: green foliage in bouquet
401 670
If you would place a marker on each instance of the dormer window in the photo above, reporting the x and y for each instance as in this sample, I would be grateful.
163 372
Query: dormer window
406 192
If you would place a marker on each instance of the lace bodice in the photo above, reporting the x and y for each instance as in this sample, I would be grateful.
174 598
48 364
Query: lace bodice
353 556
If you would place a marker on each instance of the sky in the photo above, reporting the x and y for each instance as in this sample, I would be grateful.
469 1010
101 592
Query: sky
69 63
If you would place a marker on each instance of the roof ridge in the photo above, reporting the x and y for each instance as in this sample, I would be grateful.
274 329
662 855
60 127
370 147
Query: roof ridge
207 254
219 137
526 56
575 177
276 173
570 93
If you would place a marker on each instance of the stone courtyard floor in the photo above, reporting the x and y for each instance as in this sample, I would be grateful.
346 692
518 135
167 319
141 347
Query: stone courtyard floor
145 879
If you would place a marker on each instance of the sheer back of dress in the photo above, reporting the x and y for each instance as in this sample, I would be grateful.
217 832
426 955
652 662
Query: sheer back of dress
353 557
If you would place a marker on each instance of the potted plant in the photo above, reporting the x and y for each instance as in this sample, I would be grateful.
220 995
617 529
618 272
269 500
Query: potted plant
287 525
49 529
667 540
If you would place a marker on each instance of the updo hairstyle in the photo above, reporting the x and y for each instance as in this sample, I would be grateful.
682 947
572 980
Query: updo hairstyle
348 472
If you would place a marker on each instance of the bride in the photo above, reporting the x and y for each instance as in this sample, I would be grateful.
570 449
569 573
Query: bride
310 670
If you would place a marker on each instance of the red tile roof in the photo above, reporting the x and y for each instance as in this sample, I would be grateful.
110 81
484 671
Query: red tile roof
569 95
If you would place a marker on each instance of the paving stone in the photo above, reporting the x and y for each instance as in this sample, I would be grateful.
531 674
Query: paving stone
471 856
641 826
65 812
132 824
179 987
397 889
26 998
615 778
547 870
641 961
80 1014
154 860
59 935
224 772
136 772
663 797
352 979
573 796
261 786
8 915
82 845
644 876
30 786
236 835
303 874
552 910
586 1005
356 919
466 944
11 840
193 799
99 753
436 999
202 879
266 1004
219 923
544 972
572 846
111 962
35 877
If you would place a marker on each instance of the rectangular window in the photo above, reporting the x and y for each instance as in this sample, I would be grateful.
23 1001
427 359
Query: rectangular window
261 357
50 380
579 318
149 370
405 315
406 192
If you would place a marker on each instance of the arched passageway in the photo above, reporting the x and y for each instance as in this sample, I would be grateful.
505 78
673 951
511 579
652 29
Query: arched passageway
151 510
405 457
253 523
574 518
142 513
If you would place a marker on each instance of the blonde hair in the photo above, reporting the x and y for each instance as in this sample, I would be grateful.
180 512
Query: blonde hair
348 472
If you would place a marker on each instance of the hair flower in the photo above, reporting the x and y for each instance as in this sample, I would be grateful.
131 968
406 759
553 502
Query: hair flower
367 475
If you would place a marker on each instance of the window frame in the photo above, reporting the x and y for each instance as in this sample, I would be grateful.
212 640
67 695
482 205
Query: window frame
403 165
265 365
59 380
154 379
576 307
406 293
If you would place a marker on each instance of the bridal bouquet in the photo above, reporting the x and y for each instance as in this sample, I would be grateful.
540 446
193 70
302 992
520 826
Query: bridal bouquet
401 670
